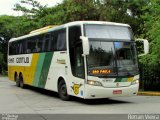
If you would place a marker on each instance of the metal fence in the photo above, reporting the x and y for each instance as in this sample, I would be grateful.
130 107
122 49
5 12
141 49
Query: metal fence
149 77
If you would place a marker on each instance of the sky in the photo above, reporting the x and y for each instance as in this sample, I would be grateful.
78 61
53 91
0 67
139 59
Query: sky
6 6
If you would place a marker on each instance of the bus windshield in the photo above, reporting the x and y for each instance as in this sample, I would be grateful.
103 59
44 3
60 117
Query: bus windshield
110 32
112 56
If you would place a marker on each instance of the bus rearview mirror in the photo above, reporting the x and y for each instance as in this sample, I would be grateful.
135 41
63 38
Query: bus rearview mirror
142 46
85 44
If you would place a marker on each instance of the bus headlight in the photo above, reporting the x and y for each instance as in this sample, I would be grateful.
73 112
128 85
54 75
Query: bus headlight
134 82
95 83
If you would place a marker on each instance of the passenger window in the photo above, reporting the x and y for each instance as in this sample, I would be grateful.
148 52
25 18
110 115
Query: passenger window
53 42
11 48
39 44
58 40
21 47
61 40
31 45
46 40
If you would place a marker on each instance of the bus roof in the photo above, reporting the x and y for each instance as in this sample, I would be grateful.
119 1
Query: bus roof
96 22
55 27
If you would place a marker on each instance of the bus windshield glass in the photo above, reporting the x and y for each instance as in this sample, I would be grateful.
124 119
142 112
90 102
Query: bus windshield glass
115 56
118 33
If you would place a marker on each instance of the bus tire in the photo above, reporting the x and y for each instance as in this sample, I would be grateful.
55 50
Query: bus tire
21 83
62 90
17 80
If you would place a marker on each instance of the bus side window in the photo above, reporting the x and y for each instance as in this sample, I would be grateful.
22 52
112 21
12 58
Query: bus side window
17 47
39 44
14 48
11 48
30 45
46 39
61 40
53 42
21 47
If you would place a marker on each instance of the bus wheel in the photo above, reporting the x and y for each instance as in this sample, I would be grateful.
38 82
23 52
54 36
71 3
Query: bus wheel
22 85
17 81
62 90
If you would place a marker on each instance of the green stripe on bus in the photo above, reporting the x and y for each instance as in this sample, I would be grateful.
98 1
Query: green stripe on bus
39 69
121 79
124 79
118 79
45 69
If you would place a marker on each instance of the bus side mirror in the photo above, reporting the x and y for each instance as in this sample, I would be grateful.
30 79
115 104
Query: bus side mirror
142 46
85 44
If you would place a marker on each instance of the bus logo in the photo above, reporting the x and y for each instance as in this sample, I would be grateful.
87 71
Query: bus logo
61 61
76 87
117 84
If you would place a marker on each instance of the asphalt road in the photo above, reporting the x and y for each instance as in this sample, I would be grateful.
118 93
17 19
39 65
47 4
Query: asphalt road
36 101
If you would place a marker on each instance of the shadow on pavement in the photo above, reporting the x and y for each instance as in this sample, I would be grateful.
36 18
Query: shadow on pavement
42 91
75 99
99 101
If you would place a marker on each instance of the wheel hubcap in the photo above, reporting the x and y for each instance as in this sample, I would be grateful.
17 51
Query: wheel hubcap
64 90
21 83
17 80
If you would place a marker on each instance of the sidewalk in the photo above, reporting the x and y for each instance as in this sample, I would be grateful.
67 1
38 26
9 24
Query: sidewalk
148 93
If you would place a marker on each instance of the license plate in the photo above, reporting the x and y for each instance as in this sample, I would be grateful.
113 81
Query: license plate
117 91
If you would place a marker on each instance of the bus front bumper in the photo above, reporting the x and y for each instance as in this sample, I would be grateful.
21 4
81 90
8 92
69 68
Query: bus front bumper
92 92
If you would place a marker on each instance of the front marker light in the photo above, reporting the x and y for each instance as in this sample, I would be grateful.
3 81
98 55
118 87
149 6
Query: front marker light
134 82
95 83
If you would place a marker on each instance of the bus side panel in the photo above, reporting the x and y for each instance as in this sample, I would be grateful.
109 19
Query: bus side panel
42 69
35 71
14 69
60 67
27 69
30 71
57 69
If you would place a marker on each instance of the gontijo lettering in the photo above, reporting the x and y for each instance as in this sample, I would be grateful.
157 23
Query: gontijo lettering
22 60
11 60
19 60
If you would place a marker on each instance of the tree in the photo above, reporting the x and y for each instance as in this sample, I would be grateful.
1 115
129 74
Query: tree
6 32
151 28
13 27
36 8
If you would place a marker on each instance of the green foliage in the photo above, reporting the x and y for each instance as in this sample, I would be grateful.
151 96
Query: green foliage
81 10
35 7
151 62
13 27
6 32
1 58
152 26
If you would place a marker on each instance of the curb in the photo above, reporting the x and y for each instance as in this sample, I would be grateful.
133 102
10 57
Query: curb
148 93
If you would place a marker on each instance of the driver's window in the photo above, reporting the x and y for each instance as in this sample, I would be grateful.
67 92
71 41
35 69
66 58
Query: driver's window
75 49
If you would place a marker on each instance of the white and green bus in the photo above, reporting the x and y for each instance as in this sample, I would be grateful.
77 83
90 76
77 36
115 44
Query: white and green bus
86 59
